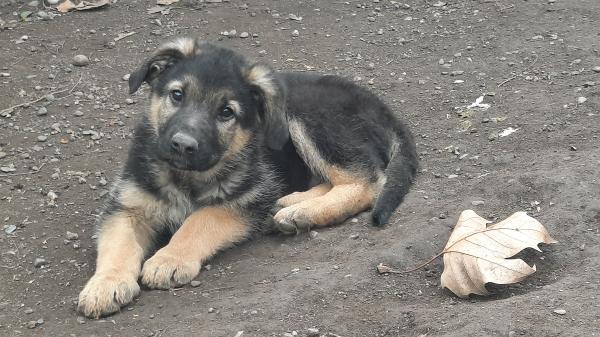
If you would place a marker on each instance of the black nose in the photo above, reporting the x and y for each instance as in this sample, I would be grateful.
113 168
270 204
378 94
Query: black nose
183 144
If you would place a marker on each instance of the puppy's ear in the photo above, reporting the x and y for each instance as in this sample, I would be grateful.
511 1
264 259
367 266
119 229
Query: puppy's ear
271 93
164 57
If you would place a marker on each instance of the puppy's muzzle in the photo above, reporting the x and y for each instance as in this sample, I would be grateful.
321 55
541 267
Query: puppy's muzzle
183 144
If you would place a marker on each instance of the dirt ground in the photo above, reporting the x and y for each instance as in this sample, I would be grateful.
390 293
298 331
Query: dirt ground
532 60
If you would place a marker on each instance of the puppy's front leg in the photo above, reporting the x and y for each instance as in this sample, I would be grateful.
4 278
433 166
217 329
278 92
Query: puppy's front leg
202 234
122 242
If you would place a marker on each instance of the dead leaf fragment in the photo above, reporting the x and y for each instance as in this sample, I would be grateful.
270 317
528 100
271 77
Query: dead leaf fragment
382 269
477 254
69 5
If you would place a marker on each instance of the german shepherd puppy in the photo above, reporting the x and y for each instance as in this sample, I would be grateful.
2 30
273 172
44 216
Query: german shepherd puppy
223 144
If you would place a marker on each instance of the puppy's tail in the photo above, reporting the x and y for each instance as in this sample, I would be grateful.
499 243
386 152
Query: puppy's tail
400 173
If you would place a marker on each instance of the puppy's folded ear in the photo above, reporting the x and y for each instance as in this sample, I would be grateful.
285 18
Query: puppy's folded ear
271 93
165 56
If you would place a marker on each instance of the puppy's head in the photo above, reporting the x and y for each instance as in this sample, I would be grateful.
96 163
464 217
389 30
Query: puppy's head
209 102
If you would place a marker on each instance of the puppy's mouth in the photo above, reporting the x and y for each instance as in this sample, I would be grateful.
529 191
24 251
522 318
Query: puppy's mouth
185 164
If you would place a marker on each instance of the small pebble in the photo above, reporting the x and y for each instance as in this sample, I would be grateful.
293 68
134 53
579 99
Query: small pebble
129 101
42 138
42 111
126 77
312 332
596 69
581 100
295 33
72 236
313 234
80 60
244 35
38 262
43 15
211 310
78 113
10 229
560 311
28 311
477 202
195 283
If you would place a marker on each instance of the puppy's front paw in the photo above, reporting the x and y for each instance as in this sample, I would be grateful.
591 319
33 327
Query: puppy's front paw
166 270
293 219
106 293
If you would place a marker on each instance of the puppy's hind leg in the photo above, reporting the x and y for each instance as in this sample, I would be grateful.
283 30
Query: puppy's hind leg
298 197
345 199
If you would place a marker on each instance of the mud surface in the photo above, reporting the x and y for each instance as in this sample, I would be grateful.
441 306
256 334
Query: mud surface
531 60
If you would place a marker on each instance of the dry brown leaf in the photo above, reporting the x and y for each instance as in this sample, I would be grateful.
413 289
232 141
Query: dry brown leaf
477 254
69 5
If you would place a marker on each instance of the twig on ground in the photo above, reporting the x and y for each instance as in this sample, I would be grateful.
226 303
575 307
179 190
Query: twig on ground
40 98
507 80
124 35
382 269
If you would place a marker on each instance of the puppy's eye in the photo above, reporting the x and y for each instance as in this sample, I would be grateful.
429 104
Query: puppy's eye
176 95
226 114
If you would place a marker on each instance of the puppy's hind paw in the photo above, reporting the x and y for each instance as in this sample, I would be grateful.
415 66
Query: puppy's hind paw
292 220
